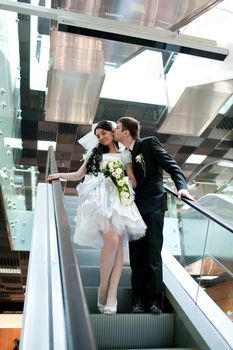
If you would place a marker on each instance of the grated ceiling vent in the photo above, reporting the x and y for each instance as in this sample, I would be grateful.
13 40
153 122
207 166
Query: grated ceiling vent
226 123
47 136
4 262
11 279
67 128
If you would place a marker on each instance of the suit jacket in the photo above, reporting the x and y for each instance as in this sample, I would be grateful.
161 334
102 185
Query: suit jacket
149 160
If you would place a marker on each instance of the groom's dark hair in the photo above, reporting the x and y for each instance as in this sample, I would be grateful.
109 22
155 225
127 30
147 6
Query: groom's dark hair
132 125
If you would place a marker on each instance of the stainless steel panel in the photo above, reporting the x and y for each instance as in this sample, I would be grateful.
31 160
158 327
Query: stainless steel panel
166 14
75 78
196 108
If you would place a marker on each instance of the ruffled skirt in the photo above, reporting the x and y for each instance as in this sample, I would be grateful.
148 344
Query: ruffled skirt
100 211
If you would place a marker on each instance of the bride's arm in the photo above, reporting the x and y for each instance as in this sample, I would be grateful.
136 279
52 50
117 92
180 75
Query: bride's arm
74 176
130 173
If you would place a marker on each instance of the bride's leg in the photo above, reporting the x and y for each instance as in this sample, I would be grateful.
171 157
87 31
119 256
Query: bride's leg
107 260
115 275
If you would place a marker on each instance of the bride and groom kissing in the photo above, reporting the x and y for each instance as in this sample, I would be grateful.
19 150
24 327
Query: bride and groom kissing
103 218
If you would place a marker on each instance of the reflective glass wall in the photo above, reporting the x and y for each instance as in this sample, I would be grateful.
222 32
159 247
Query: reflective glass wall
18 183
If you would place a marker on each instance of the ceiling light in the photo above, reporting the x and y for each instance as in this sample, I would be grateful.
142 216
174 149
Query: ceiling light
10 271
225 163
195 159
13 142
39 53
44 145
207 277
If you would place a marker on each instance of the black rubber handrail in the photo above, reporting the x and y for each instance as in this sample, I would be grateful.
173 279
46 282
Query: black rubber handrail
78 325
202 210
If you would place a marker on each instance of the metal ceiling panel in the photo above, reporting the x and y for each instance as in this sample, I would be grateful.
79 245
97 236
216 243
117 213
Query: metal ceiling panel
196 108
166 14
75 78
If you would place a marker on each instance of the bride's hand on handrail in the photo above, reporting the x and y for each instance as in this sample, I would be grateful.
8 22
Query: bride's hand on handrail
53 177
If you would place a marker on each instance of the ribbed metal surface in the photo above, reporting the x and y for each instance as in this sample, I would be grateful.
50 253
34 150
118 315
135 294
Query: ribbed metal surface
90 276
197 107
75 78
124 302
124 330
67 128
226 123
46 135
133 331
164 14
72 228
71 212
70 201
156 349
71 220
88 257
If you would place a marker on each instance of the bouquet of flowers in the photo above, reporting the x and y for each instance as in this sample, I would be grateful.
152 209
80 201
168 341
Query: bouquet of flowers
115 171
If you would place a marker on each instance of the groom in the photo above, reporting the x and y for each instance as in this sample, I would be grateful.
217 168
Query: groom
149 160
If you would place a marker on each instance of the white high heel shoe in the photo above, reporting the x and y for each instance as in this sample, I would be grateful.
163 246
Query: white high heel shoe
99 305
110 310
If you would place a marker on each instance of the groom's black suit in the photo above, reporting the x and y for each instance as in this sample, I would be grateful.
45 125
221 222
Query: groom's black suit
149 160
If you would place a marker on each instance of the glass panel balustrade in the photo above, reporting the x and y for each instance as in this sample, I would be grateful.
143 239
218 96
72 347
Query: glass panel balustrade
18 183
205 181
204 249
216 276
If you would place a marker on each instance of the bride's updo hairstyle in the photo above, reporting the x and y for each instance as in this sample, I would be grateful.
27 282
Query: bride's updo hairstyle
93 163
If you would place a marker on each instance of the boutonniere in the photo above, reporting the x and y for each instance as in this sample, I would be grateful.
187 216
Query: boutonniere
140 159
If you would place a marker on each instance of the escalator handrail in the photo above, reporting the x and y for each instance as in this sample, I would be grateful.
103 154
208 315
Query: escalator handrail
202 210
79 330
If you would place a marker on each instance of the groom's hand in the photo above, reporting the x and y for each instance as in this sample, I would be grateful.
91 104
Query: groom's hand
185 193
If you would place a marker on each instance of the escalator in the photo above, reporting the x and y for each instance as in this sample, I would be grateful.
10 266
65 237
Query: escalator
123 330
191 320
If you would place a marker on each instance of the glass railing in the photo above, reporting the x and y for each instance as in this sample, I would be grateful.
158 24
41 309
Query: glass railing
216 275
19 192
215 177
212 187
203 244
18 183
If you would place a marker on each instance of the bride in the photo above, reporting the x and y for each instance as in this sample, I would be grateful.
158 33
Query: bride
107 211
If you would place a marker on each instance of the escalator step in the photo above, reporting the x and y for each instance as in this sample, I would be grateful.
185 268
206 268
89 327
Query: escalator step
72 227
90 256
87 257
91 276
71 212
123 300
71 199
122 331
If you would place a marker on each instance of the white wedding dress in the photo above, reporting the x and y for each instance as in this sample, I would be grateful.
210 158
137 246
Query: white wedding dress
101 211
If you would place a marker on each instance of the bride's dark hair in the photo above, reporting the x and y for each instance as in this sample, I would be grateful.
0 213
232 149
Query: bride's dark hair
93 163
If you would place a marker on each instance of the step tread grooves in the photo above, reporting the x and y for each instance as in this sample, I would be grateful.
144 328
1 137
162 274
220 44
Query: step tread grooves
123 331
133 331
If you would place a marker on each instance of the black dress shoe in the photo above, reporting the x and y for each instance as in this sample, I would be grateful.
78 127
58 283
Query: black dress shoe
138 307
154 309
